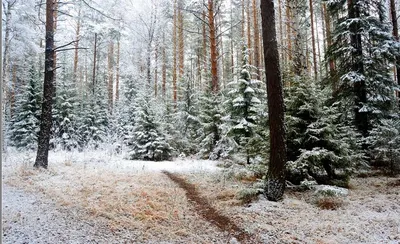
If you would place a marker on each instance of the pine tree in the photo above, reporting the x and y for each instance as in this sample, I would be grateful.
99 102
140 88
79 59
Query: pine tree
245 109
147 141
24 127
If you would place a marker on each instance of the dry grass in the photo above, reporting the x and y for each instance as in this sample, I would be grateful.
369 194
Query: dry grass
153 205
329 203
149 202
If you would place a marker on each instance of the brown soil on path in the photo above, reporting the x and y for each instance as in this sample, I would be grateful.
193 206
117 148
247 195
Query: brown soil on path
208 212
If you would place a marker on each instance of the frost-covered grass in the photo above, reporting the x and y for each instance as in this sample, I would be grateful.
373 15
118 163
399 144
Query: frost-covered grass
136 195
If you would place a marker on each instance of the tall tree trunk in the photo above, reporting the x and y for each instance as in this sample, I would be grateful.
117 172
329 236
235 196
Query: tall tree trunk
313 40
281 41
249 42
48 91
117 71
110 76
6 57
94 63
164 67
55 17
213 48
393 14
323 27
361 117
77 36
288 32
243 22
12 90
204 44
181 40
256 39
174 42
330 59
156 70
276 170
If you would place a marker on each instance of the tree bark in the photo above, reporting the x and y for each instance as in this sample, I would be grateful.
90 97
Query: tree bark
288 32
181 41
249 42
156 70
77 36
281 41
110 76
48 91
256 39
94 63
329 44
174 43
164 68
393 14
277 162
6 54
204 44
117 71
361 117
315 66
213 48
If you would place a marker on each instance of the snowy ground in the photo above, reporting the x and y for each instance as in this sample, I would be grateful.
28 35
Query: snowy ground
99 197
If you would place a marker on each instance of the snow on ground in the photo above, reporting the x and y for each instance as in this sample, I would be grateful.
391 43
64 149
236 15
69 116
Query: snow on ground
119 199
112 161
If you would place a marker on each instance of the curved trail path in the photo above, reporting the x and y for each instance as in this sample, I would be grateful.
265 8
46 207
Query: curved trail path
208 212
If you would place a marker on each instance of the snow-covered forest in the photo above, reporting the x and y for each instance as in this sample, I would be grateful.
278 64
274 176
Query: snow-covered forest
222 104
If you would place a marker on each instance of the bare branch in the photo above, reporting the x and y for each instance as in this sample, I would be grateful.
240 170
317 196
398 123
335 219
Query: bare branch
72 48
69 43
99 11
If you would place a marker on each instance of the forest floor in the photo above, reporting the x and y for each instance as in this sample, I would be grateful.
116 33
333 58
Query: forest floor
99 197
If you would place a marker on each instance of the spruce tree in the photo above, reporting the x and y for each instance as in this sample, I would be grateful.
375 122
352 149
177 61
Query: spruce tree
147 140
65 131
244 108
363 48
187 123
93 119
210 143
24 126
320 142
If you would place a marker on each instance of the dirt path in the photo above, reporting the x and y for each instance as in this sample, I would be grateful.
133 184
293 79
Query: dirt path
208 212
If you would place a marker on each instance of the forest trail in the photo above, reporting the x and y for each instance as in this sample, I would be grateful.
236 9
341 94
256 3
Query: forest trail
209 213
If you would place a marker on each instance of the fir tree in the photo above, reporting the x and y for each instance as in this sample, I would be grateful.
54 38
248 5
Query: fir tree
147 141
363 48
65 131
210 141
320 143
93 123
24 127
244 108
385 144
186 119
